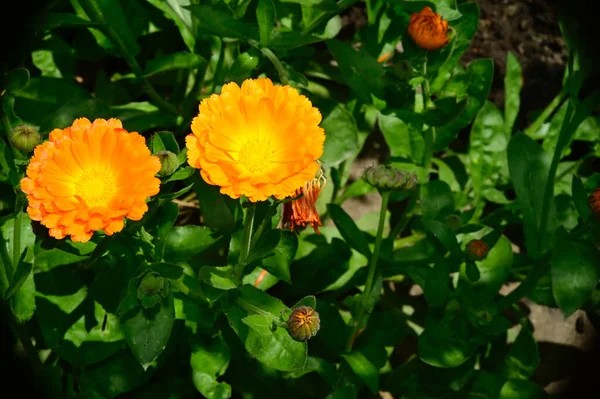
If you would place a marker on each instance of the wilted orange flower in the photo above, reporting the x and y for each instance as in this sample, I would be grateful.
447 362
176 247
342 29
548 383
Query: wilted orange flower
302 211
88 177
594 201
256 140
428 29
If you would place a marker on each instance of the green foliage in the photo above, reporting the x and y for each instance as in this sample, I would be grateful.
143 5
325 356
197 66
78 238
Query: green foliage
194 298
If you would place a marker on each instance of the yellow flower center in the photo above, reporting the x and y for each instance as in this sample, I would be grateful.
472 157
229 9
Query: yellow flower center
255 156
96 187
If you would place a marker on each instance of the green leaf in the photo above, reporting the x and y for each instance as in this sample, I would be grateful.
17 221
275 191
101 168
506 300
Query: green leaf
52 20
22 301
494 270
513 82
167 270
265 245
437 284
443 233
291 40
165 219
341 133
482 73
364 369
348 229
175 10
243 66
166 196
147 331
259 323
575 273
523 358
446 110
347 392
181 174
173 61
487 152
529 167
277 350
209 361
112 14
215 20
265 15
358 188
73 109
360 70
436 200
446 344
219 277
278 263
403 137
15 267
521 389
218 209
184 242
14 79
580 198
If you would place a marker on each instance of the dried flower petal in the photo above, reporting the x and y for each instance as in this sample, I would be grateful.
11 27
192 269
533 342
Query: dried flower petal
299 213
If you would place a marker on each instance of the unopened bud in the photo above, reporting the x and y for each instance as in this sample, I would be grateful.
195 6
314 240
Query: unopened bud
25 137
388 177
454 222
477 250
169 162
304 322
151 284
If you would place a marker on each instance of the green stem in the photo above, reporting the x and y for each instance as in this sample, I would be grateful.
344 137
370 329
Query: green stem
95 14
370 15
365 305
283 73
539 121
430 132
23 336
246 241
17 236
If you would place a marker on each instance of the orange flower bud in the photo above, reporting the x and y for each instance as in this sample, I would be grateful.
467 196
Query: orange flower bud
428 29
477 250
304 322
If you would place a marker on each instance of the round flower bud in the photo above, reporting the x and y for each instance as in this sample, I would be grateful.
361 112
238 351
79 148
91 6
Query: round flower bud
403 69
303 323
168 161
151 284
25 137
594 202
454 222
387 177
477 250
428 29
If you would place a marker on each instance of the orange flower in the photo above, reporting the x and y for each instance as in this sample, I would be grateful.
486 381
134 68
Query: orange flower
428 29
88 177
256 140
302 211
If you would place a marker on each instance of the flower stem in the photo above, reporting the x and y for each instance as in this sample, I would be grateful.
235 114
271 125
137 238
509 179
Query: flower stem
23 336
94 13
365 306
283 73
246 241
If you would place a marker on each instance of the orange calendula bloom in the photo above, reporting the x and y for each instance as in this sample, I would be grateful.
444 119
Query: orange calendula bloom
301 212
428 29
257 140
89 177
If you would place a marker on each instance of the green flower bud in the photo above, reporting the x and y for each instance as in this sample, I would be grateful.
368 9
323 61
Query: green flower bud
454 222
150 301
169 162
152 283
304 322
387 177
477 250
25 137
